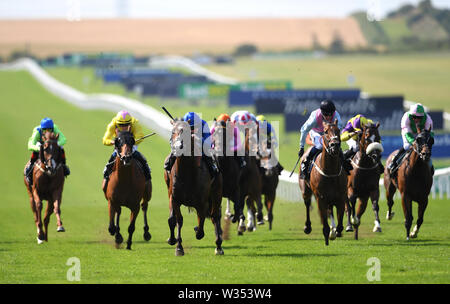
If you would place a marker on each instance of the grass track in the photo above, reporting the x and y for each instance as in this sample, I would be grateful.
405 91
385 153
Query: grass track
284 255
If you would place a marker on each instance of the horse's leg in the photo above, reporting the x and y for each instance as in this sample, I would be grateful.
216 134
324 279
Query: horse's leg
147 235
323 212
241 218
407 211
112 213
119 238
333 224
172 221
57 211
215 218
132 226
390 191
361 209
251 210
422 206
374 197
48 213
351 207
269 201
199 230
40 232
228 210
340 210
259 212
307 199
179 251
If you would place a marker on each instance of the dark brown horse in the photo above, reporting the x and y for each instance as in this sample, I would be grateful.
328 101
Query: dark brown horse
328 183
251 180
48 184
413 179
127 188
223 138
364 179
189 183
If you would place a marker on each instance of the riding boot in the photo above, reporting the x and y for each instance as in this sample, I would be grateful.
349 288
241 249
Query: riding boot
169 162
213 169
393 165
306 163
140 158
65 167
29 169
345 163
279 167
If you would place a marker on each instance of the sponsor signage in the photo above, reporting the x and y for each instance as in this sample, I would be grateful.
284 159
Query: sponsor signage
441 147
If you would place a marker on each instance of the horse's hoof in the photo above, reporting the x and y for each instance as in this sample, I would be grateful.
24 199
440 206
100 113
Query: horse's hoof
354 220
389 216
171 241
112 230
377 227
60 229
241 229
307 229
218 251
240 233
128 247
199 234
414 233
260 222
251 228
39 241
333 234
147 236
266 218
119 239
349 228
179 252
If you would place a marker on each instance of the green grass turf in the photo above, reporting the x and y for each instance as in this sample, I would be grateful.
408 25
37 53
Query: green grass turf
283 255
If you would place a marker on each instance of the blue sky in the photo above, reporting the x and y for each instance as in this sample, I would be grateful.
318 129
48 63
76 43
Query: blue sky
13 9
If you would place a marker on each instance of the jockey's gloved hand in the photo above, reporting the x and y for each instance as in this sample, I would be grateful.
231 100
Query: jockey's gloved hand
301 151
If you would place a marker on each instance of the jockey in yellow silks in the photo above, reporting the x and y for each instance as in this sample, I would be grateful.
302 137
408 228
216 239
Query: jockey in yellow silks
121 122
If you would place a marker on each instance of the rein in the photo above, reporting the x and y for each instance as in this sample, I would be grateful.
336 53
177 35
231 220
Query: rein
363 168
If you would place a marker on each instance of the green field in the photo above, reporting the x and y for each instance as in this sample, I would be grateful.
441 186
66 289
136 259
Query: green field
283 255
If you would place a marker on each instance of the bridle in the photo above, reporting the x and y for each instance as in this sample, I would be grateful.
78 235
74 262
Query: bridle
51 169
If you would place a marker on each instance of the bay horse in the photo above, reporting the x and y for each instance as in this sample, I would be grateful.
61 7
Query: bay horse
328 183
363 181
48 184
189 183
251 180
223 138
127 188
413 179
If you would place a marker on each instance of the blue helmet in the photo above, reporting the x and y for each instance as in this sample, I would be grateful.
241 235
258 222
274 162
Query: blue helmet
46 123
192 117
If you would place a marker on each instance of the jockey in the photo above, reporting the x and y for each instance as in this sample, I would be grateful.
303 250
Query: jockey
415 118
272 142
121 122
194 122
314 125
34 144
243 120
235 144
350 133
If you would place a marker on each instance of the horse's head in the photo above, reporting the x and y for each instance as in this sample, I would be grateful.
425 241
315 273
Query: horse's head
221 134
184 140
423 144
370 141
50 153
124 143
331 138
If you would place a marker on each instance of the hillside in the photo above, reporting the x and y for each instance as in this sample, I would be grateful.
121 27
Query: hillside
180 36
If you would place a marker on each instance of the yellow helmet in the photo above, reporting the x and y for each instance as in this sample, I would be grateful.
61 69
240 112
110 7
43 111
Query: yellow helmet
123 117
261 118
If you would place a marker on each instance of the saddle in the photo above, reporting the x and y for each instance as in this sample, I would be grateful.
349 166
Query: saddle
401 157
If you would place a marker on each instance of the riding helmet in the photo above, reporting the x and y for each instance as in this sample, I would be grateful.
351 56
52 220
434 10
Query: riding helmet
123 117
46 123
191 118
327 106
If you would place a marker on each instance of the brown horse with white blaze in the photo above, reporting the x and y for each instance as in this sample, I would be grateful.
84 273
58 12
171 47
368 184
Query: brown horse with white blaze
364 179
48 184
328 183
413 179
127 188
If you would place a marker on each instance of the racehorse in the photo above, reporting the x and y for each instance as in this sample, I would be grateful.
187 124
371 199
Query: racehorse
328 183
189 183
48 184
251 181
413 179
364 179
229 167
127 188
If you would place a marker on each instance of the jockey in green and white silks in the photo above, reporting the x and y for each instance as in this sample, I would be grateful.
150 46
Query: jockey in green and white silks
416 118
34 145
